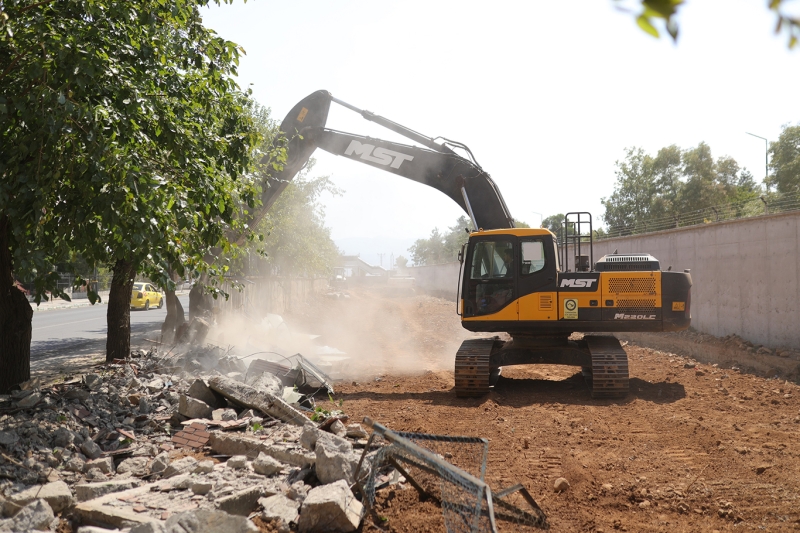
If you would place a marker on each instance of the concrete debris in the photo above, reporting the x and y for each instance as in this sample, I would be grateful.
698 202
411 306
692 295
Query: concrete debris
257 399
90 491
279 508
330 508
209 522
131 448
193 408
57 495
36 516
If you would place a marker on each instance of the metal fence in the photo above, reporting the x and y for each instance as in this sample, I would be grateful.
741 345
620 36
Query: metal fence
766 204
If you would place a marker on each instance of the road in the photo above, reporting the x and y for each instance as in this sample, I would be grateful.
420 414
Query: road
77 332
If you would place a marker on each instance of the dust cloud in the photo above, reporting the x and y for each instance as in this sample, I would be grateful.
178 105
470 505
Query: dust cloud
367 334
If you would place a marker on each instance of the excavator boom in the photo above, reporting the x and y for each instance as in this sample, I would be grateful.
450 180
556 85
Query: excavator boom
437 165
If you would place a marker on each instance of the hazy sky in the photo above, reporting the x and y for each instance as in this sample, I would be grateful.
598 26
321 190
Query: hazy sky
547 94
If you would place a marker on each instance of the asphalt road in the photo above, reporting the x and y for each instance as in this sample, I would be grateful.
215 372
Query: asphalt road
81 331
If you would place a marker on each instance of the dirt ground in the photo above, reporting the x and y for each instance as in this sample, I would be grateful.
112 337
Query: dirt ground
693 448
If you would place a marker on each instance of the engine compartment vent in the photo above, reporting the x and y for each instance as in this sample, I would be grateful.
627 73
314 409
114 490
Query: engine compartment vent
627 262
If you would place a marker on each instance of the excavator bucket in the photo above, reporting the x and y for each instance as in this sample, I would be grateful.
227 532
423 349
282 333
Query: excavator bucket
310 113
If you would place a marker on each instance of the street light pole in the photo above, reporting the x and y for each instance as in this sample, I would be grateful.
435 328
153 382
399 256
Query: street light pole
766 158
541 217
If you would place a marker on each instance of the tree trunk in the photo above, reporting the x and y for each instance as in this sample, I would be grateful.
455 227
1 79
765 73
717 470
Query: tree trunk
15 321
118 316
175 317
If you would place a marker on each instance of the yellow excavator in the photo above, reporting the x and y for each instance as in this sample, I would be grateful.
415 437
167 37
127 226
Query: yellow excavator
536 287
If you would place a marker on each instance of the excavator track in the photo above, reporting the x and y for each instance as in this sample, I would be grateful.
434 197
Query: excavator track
472 367
609 367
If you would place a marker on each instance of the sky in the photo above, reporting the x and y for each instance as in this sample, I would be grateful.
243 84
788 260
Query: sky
547 94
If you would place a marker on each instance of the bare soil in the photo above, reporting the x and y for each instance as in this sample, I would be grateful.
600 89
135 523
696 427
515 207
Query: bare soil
692 448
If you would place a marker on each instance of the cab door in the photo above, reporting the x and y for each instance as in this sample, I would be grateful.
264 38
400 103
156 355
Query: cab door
537 278
489 278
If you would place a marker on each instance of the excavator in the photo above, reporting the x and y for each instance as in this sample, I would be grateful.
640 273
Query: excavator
512 280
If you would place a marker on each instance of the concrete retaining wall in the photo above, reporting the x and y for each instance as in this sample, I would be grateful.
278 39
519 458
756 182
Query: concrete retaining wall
746 274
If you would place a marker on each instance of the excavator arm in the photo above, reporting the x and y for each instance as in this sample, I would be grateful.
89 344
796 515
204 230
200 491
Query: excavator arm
437 165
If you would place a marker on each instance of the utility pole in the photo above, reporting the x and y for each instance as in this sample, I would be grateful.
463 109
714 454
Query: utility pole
381 256
766 158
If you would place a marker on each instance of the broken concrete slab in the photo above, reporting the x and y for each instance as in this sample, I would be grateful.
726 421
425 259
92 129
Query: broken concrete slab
200 391
135 465
232 444
105 464
237 462
266 465
90 491
280 509
57 495
330 507
263 401
266 382
204 521
90 449
243 502
184 465
193 408
35 516
30 400
334 462
223 414
106 511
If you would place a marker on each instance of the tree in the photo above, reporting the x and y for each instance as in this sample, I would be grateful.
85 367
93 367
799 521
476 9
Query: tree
785 160
400 262
630 204
663 12
122 133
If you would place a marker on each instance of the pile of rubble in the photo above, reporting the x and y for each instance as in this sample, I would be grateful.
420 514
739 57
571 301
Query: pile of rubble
144 445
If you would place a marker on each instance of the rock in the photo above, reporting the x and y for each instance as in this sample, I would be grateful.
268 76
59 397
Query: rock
135 465
63 437
689 365
95 474
268 383
201 487
560 484
338 429
233 444
243 502
181 466
109 511
335 459
37 515
200 391
90 448
93 381
75 464
607 486
148 527
203 521
330 508
763 350
247 413
30 400
280 509
105 464
249 396
144 405
763 468
193 408
155 385
644 504
8 438
223 414
57 495
204 467
355 431
237 462
160 463
266 465
90 491
308 438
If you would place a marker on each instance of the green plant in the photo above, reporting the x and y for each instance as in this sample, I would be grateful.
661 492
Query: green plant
256 426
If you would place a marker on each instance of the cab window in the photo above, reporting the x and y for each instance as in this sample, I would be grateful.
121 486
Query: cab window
138 286
492 260
532 256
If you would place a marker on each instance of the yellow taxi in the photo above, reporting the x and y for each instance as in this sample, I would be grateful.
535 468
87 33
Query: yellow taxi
145 295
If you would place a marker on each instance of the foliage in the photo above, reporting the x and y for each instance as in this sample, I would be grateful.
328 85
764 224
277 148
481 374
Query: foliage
650 13
675 181
122 132
297 241
785 160
444 247
400 262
